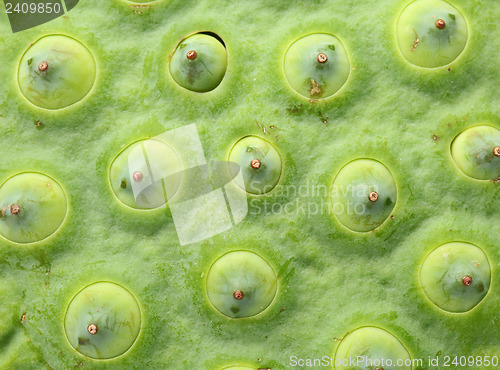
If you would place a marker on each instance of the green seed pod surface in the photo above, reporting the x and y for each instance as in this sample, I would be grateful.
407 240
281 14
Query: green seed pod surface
476 151
199 63
143 165
241 284
431 33
317 66
33 207
56 71
372 343
103 321
259 162
363 195
456 276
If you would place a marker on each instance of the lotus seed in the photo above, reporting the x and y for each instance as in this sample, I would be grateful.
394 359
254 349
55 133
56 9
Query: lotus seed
43 66
191 55
467 280
373 196
137 176
322 58
92 329
238 294
255 164
496 151
15 209
440 24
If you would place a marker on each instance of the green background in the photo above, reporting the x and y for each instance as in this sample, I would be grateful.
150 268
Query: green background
331 280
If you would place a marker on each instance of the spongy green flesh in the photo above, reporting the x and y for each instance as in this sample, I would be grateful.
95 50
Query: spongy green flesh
331 281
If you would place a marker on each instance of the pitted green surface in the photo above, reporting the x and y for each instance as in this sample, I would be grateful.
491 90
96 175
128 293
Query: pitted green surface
331 281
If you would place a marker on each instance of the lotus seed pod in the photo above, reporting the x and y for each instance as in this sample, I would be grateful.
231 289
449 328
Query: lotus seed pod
56 71
146 174
456 276
431 33
33 206
317 65
199 63
363 195
475 152
103 320
376 345
260 164
245 272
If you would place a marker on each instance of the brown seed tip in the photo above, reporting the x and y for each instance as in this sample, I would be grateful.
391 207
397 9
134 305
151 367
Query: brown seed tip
15 209
322 58
440 24
467 280
92 329
496 151
43 66
238 295
373 196
137 176
191 54
255 164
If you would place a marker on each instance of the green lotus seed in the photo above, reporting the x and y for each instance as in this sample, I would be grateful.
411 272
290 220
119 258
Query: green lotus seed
103 321
199 63
56 71
456 276
375 346
475 152
260 164
247 273
33 206
317 65
145 174
363 195
431 33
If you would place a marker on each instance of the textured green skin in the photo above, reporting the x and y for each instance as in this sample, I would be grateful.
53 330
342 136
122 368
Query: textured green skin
331 280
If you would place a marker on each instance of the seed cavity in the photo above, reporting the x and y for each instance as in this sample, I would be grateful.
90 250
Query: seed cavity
191 54
496 151
15 209
238 295
43 66
255 164
137 176
467 280
373 196
322 58
92 329
440 24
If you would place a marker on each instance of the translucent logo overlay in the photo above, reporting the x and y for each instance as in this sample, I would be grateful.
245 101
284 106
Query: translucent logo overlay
25 14
205 199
